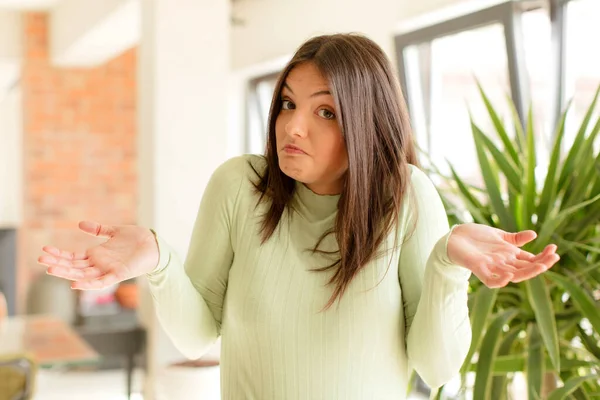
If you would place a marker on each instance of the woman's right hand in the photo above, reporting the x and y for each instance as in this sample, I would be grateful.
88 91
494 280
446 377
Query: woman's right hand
130 251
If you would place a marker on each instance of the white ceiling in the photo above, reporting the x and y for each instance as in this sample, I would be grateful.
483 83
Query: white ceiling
28 4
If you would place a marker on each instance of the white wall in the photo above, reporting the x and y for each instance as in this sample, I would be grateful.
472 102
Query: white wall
275 28
11 47
10 118
10 34
183 69
28 5
10 158
86 33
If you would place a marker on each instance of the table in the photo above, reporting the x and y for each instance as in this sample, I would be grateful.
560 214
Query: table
49 340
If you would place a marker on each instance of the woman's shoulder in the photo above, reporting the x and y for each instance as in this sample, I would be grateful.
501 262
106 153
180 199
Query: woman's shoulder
419 180
236 175
421 189
244 166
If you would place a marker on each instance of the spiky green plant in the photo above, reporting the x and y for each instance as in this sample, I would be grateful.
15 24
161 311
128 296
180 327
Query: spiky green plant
550 325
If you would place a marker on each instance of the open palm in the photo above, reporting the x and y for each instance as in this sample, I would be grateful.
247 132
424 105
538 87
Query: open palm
130 251
495 256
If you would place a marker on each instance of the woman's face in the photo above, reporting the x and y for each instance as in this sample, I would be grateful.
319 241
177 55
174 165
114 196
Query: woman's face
310 144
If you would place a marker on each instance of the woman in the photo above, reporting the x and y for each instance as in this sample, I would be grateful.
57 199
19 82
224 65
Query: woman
327 266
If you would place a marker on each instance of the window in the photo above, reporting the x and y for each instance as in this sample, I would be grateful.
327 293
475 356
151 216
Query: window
440 66
541 56
538 58
542 53
560 62
259 102
457 62
582 60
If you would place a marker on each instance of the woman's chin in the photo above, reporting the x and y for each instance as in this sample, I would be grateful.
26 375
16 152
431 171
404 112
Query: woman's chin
292 169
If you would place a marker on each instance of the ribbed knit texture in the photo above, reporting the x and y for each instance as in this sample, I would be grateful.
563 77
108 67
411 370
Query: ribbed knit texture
406 309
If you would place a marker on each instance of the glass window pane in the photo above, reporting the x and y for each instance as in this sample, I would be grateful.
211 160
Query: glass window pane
583 58
259 103
419 102
458 61
255 130
538 58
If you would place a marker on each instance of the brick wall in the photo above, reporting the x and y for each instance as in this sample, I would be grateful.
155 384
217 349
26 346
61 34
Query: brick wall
79 145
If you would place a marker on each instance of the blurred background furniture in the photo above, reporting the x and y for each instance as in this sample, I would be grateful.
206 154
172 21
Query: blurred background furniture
49 341
8 270
105 320
17 371
118 338
3 307
17 377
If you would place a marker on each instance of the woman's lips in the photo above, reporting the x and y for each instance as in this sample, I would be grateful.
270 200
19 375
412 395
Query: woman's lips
291 149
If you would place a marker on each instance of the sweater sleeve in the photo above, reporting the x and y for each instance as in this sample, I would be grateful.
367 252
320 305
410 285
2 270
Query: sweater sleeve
434 291
189 297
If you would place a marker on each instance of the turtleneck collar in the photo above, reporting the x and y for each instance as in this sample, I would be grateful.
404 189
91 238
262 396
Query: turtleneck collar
313 206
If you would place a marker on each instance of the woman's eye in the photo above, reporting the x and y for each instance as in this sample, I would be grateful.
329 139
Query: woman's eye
287 105
326 114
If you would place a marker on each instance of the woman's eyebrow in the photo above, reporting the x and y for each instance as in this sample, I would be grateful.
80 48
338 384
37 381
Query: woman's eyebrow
319 93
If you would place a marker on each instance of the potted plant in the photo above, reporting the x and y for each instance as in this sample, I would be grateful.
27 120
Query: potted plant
547 328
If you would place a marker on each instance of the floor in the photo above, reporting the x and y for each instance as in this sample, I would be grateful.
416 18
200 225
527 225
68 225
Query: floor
97 385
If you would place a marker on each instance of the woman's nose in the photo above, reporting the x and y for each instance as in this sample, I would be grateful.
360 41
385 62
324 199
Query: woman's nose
297 126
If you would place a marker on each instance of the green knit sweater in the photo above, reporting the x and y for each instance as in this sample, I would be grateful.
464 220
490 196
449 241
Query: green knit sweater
406 309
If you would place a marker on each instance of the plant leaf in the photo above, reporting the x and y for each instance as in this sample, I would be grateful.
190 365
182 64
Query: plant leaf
499 381
535 363
528 207
581 392
470 201
506 221
514 206
551 224
539 298
516 363
583 301
596 187
582 246
484 301
589 343
570 386
505 164
548 195
584 171
487 354
576 146
517 124
499 126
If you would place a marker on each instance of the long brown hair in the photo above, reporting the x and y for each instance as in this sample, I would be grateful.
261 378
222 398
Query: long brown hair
372 116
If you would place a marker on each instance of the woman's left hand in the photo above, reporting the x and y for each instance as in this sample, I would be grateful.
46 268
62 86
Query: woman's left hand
495 256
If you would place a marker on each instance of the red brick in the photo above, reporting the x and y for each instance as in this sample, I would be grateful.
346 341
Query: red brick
79 148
